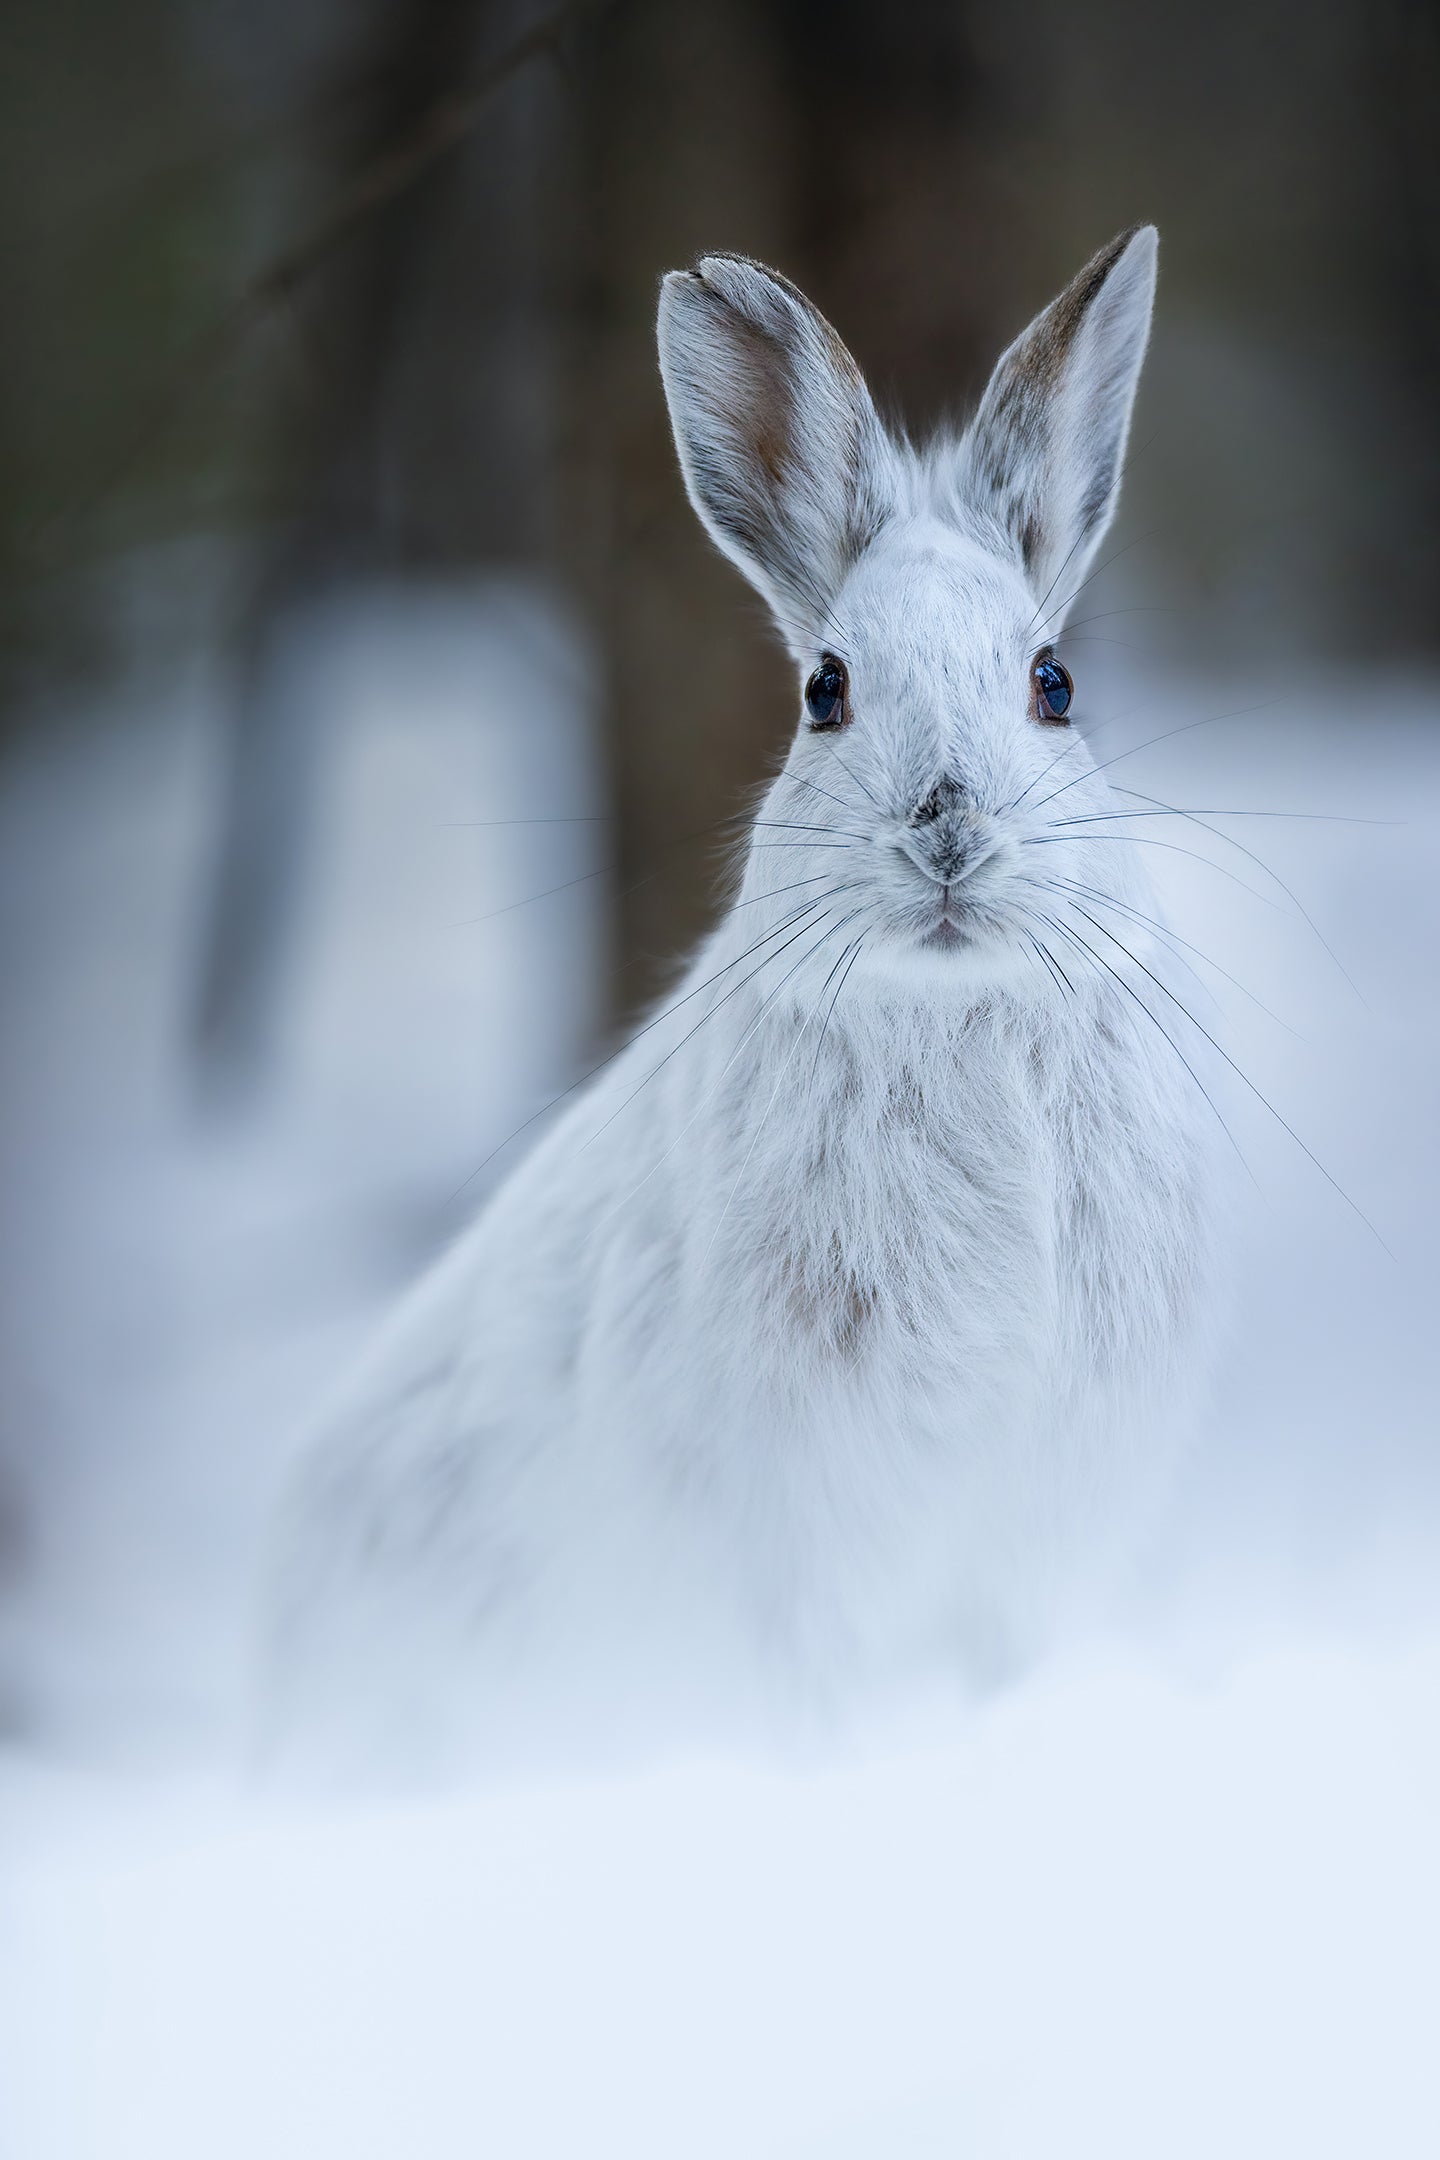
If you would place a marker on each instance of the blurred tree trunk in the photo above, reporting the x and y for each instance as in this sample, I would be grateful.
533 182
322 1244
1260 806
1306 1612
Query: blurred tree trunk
684 147
419 446
1404 254
830 140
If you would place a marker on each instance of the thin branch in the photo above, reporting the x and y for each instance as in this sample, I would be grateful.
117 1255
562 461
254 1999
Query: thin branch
440 130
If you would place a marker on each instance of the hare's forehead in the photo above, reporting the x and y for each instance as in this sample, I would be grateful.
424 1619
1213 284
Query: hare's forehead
932 605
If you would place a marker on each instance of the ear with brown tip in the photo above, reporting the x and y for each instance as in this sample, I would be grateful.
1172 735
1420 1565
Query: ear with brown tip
784 457
1045 450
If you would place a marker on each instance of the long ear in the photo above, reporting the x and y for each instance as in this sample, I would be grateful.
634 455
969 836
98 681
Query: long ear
1044 451
783 454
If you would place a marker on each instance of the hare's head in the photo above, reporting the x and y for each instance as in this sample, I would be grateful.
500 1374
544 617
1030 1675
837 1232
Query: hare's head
919 591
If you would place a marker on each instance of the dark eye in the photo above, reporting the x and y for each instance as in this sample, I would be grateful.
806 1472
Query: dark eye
827 695
1053 690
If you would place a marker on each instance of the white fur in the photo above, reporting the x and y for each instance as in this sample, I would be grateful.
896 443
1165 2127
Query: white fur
831 1327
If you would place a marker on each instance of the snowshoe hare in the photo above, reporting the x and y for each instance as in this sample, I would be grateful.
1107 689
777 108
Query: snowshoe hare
853 1298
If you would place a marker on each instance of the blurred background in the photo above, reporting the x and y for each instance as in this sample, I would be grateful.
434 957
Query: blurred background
371 707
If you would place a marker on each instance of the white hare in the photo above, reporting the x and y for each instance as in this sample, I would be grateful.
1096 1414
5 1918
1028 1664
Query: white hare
865 1282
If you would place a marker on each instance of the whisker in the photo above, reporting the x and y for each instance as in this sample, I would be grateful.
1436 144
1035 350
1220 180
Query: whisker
1098 959
1110 614
1318 817
1071 637
1152 922
1069 750
605 870
832 638
774 1093
637 1034
1085 735
468 922
1210 720
834 752
819 876
1052 966
1074 550
1082 737
765 1005
641 959
1194 818
1172 847
1039 614
1091 576
1063 888
791 825
1255 1091
815 1066
838 800
722 1001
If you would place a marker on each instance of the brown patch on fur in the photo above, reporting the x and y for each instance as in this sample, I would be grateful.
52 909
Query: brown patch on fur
1046 351
835 1315
768 420
1040 362
839 351
852 1321
1010 428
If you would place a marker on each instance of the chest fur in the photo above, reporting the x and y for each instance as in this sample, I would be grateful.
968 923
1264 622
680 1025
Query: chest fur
984 1216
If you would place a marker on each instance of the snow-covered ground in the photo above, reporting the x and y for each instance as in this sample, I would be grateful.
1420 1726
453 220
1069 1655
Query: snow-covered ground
1177 1892
1118 1916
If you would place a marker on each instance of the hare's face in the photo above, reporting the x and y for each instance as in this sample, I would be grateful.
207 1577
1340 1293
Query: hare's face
918 593
934 724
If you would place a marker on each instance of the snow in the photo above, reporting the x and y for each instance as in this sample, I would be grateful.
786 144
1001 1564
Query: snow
1174 1892
1115 1916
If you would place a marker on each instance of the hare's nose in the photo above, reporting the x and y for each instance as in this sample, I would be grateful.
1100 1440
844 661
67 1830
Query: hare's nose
942 836
945 795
